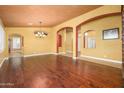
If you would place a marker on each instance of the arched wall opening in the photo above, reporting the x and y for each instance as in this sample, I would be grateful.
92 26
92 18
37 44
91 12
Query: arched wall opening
15 43
65 41
82 27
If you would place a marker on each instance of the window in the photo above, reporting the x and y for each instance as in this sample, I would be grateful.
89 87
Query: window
89 39
16 42
2 39
91 43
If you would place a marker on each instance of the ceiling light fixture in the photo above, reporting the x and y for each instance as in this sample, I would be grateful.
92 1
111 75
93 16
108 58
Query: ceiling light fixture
40 33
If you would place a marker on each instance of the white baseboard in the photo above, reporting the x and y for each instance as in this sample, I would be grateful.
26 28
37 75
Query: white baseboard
4 59
110 62
65 55
39 54
62 53
104 59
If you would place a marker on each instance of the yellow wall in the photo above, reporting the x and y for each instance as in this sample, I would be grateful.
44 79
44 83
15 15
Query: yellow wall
69 41
62 49
110 49
90 34
77 20
33 45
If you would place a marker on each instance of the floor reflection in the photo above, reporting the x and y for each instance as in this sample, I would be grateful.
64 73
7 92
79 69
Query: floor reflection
13 73
56 71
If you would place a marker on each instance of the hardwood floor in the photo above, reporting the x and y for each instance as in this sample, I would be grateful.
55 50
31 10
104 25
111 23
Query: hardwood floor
54 71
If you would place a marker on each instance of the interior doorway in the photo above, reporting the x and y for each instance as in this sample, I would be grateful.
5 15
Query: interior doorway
79 45
15 45
86 40
65 41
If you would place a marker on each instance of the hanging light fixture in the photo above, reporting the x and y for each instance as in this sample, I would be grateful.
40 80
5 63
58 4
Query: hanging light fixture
40 33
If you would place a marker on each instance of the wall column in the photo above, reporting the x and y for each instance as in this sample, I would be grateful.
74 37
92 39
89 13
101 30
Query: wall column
74 42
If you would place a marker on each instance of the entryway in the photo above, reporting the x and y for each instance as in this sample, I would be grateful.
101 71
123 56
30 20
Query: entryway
15 45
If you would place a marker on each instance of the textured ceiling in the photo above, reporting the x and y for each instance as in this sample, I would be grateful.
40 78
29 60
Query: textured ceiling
50 15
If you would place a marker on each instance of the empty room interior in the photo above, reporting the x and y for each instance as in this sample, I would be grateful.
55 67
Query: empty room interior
61 46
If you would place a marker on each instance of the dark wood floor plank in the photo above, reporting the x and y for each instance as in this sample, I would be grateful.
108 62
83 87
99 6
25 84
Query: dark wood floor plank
55 71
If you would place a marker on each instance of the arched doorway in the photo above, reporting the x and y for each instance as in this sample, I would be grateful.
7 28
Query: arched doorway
78 27
15 44
86 40
65 41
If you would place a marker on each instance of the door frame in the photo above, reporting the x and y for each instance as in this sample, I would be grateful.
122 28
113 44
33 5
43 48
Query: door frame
57 47
10 42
